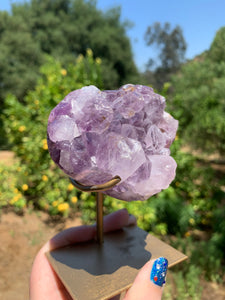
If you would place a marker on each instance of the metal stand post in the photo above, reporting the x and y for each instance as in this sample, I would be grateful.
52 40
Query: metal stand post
99 207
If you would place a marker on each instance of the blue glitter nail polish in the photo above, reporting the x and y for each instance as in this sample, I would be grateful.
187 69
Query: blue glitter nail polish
159 270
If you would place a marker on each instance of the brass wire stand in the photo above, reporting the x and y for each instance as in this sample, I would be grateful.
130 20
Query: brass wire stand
100 270
99 200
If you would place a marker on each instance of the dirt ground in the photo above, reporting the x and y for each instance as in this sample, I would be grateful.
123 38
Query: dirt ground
6 157
22 236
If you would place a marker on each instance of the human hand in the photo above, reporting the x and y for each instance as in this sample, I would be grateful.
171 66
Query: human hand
45 284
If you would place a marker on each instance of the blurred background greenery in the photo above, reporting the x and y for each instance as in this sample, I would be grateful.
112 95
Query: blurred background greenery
42 59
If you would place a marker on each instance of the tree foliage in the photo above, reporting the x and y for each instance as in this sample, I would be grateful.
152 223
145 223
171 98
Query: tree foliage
63 29
198 99
20 56
38 180
216 52
171 46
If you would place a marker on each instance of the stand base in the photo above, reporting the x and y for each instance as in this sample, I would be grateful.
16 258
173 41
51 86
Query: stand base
97 272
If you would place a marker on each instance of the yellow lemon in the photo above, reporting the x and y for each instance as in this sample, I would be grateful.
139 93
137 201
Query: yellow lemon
45 144
98 61
45 178
74 199
25 187
70 187
22 128
89 52
63 207
54 203
191 221
63 72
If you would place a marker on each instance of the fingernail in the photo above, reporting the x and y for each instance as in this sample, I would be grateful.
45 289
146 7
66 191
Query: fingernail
131 220
159 269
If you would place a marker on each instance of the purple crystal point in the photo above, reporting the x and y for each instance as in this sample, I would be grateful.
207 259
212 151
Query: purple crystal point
95 135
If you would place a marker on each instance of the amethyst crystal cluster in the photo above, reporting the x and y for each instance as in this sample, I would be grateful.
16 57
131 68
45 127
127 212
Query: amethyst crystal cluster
95 135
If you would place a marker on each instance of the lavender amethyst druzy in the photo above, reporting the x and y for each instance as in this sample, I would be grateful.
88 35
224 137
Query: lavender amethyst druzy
95 135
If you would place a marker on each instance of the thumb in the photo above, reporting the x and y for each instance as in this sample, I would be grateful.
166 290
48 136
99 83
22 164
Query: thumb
149 281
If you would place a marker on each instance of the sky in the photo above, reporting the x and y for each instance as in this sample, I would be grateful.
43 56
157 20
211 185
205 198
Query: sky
199 20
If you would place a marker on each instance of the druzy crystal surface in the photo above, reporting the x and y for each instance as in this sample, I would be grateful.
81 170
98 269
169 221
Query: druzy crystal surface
95 135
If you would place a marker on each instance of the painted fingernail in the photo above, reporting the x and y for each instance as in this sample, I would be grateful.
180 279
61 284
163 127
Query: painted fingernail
159 269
